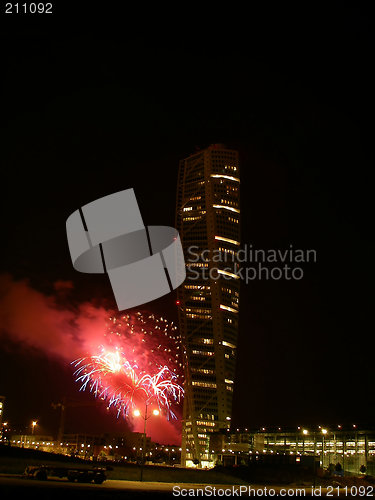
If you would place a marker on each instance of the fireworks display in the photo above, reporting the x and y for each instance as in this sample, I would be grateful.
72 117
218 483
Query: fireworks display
137 363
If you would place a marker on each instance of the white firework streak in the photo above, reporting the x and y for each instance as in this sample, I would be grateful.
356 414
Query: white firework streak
92 371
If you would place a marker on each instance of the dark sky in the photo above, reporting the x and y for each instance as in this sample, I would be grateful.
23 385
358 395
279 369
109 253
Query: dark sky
87 114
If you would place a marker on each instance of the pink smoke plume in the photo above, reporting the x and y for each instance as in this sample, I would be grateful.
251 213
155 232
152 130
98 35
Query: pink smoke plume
26 315
30 317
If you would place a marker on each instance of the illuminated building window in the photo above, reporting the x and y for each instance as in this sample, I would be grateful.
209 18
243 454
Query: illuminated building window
205 384
203 371
228 177
208 424
228 240
227 208
198 316
192 218
227 273
227 308
228 344
197 310
195 287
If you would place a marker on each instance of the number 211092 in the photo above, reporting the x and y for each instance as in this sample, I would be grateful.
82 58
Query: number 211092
39 8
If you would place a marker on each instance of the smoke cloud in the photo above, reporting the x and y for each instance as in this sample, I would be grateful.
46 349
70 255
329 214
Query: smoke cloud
26 315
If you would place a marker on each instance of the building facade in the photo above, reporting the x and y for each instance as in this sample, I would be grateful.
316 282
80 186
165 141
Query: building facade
208 221
352 446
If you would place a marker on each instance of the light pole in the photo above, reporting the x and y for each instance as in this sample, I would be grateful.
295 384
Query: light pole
324 431
137 413
305 432
33 424
3 430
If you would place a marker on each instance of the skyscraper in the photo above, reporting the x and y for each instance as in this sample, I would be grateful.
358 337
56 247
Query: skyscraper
208 220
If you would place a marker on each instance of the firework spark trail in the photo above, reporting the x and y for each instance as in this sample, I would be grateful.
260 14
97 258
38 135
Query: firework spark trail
119 383
128 383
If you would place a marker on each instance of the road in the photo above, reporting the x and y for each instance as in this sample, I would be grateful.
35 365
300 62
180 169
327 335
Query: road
62 488
10 486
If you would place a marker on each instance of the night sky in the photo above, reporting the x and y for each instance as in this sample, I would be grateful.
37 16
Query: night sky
85 115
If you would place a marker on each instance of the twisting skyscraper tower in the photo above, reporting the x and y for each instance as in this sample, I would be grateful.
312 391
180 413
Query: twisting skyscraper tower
208 220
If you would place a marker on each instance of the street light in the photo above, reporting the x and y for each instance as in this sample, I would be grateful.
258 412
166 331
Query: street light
324 432
3 430
305 432
137 413
33 424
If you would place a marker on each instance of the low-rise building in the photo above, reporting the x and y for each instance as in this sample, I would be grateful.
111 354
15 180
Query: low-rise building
352 446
